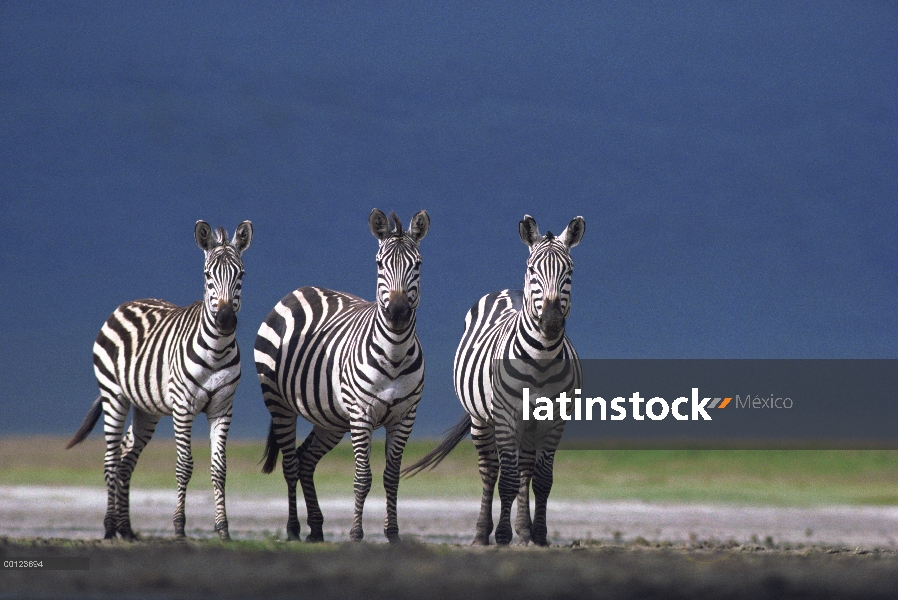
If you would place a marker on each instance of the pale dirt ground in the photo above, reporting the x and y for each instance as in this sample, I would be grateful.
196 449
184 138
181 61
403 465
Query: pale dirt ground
613 550
77 513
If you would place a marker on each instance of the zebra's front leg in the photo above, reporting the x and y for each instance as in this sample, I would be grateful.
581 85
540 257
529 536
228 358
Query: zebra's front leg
509 483
318 443
184 469
115 411
361 447
397 437
484 438
218 437
542 485
142 427
525 468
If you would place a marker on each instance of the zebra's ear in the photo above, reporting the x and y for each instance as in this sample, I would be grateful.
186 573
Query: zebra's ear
573 233
419 226
379 224
203 234
243 237
529 231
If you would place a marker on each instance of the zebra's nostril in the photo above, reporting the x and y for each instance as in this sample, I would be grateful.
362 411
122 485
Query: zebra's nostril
226 318
399 311
551 320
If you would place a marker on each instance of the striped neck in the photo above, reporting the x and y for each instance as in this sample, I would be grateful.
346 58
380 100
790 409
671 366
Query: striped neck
209 338
394 343
530 343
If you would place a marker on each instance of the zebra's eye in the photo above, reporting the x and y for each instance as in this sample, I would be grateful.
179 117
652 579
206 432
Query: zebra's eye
380 264
417 264
208 274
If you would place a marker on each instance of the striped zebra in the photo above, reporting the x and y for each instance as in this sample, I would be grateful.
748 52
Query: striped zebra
345 364
515 339
163 359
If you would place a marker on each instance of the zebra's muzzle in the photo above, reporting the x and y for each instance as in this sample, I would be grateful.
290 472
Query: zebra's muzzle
226 318
551 321
398 311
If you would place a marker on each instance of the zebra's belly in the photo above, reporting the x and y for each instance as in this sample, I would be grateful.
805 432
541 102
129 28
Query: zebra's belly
380 399
497 397
330 420
155 403
320 404
205 391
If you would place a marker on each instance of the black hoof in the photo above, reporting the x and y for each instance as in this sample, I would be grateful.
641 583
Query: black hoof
222 529
503 535
315 537
539 535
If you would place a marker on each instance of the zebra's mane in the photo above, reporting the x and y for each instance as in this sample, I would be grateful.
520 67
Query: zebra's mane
221 236
397 231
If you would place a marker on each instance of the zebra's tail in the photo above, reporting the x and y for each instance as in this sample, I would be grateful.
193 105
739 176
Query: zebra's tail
271 451
90 421
436 456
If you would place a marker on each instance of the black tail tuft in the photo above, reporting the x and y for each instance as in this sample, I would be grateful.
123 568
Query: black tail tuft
271 451
436 456
90 421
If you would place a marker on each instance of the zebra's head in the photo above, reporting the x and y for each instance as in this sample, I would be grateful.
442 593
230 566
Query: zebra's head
547 285
398 265
223 271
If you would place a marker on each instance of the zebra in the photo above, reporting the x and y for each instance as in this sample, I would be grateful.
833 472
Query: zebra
346 364
163 359
515 339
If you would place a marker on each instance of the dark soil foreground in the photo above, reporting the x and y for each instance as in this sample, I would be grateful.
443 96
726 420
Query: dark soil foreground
168 569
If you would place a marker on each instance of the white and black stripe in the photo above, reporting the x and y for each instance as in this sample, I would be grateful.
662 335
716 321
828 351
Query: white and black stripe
515 339
161 359
345 364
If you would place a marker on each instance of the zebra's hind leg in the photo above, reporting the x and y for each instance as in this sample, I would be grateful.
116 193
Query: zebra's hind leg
218 437
184 469
115 412
361 447
283 428
525 468
397 436
318 443
143 425
484 438
542 485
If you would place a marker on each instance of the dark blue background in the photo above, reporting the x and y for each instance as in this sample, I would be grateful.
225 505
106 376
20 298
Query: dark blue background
735 163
